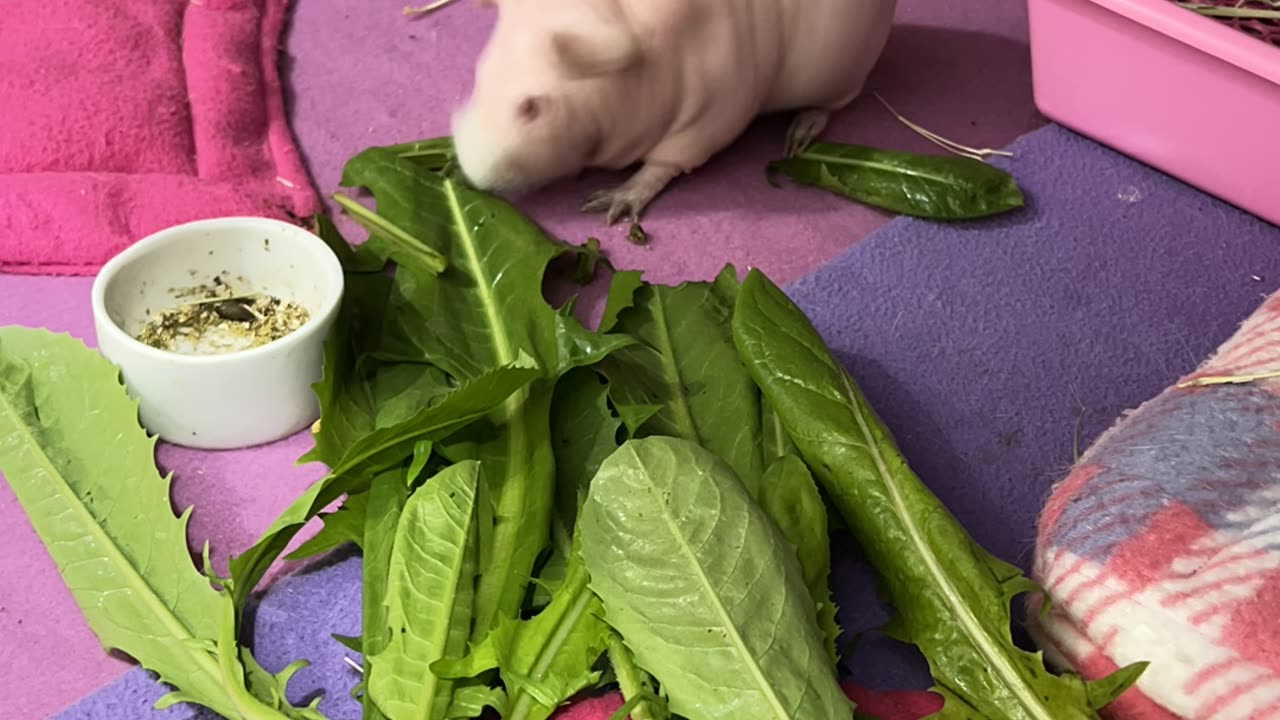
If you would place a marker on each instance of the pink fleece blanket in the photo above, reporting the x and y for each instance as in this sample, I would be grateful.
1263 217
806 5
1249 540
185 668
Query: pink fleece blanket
121 117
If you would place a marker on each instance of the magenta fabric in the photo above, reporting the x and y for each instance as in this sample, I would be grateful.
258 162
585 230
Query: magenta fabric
122 117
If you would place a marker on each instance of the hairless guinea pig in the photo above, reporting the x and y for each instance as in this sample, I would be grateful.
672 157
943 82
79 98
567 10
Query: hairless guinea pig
565 85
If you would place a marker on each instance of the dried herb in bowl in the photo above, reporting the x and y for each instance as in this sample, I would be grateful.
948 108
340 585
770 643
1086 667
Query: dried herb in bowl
215 319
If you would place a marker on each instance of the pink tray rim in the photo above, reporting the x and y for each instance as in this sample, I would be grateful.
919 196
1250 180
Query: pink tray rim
1206 34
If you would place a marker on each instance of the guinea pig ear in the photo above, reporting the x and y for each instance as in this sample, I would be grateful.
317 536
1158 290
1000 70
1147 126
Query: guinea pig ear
596 51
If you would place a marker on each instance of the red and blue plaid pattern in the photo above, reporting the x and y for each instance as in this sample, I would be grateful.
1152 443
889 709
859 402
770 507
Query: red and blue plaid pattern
1163 544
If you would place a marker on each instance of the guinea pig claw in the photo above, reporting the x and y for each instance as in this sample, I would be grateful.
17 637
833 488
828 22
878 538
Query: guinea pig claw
616 204
630 198
597 201
805 128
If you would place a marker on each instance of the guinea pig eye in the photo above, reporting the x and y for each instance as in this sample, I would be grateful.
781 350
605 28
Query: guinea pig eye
529 109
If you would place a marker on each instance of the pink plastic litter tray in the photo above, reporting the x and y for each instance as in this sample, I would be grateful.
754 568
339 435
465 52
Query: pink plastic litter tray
1183 93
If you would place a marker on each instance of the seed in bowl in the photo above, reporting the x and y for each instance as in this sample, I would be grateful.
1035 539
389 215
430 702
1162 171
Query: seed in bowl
216 319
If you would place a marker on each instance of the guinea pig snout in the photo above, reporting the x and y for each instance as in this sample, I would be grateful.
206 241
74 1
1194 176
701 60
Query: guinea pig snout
481 157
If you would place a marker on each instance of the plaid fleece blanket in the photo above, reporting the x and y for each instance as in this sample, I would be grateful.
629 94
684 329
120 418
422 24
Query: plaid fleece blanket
1163 543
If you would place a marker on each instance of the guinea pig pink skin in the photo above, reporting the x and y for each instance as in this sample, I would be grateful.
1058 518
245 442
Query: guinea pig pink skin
565 85
525 123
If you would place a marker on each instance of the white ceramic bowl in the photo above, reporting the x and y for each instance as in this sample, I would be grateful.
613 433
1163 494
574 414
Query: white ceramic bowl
232 400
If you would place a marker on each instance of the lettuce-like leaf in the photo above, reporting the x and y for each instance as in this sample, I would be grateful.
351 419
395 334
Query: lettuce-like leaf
791 499
689 372
704 588
388 494
84 471
951 596
941 187
428 596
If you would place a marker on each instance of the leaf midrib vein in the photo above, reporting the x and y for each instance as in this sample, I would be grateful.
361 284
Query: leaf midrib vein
749 660
143 590
837 160
512 497
972 628
484 286
440 638
679 403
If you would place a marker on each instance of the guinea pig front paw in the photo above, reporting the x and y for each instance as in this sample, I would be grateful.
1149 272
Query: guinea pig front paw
617 203
805 127
629 199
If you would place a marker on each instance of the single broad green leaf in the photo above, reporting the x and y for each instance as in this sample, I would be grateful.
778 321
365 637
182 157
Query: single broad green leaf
83 470
704 588
790 497
952 597
388 496
688 368
471 701
492 287
635 684
344 525
547 659
366 456
929 186
622 293
428 596
584 431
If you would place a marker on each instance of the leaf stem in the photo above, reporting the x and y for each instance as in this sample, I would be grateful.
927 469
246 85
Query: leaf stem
965 620
523 701
634 682
373 222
